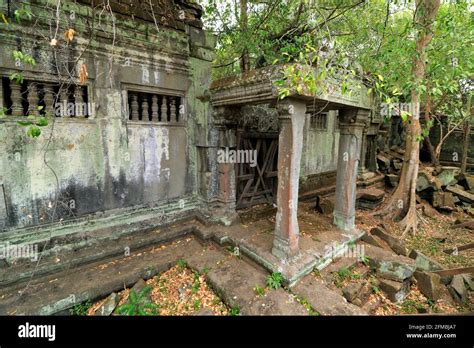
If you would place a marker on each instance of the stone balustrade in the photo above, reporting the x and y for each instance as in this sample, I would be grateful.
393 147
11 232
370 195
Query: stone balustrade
150 107
40 98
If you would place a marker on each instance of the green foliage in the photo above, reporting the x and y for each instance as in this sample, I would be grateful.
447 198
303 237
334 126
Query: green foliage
81 308
274 280
234 311
138 304
22 13
259 290
182 264
304 302
344 273
365 260
411 306
371 41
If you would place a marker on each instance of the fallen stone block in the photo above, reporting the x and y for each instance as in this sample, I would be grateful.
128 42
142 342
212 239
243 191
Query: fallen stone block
108 307
424 263
468 279
392 180
397 164
375 241
370 198
395 291
395 244
363 296
351 291
447 175
458 289
383 162
463 195
324 300
429 284
468 181
388 265
443 200
423 181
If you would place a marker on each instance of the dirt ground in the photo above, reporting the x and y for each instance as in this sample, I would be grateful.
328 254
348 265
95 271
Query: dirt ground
183 291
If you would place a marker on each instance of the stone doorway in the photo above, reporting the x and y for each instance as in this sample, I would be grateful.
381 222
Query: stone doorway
257 183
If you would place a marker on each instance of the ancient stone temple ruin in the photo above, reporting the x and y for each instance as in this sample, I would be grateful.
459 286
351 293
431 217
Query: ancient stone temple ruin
137 127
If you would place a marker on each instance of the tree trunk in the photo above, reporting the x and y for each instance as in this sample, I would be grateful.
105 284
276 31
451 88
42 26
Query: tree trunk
244 59
465 142
427 141
402 204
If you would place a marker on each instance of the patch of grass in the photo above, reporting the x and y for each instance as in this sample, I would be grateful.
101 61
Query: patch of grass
205 270
81 308
182 264
259 290
234 311
197 305
274 280
375 289
343 274
139 304
411 306
365 260
304 302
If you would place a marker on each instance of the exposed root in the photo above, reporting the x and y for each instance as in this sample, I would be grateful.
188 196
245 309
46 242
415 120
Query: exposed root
410 221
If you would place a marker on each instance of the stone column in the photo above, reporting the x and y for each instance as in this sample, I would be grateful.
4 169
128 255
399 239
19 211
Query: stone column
351 127
292 117
227 193
363 151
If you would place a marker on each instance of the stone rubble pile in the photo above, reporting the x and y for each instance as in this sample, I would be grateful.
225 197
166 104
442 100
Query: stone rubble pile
397 268
445 188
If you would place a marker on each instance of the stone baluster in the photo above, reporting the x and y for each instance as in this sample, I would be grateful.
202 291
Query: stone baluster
134 106
154 108
64 99
145 114
79 107
17 107
33 99
164 109
173 117
49 99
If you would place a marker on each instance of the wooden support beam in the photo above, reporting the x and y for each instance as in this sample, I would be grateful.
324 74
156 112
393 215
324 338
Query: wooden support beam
454 271
460 248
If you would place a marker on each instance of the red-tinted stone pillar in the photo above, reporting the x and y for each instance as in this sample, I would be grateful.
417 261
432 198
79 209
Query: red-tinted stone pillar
351 126
292 117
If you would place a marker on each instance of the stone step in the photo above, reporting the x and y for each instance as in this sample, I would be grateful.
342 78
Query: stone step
64 258
235 278
52 294
322 299
389 265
